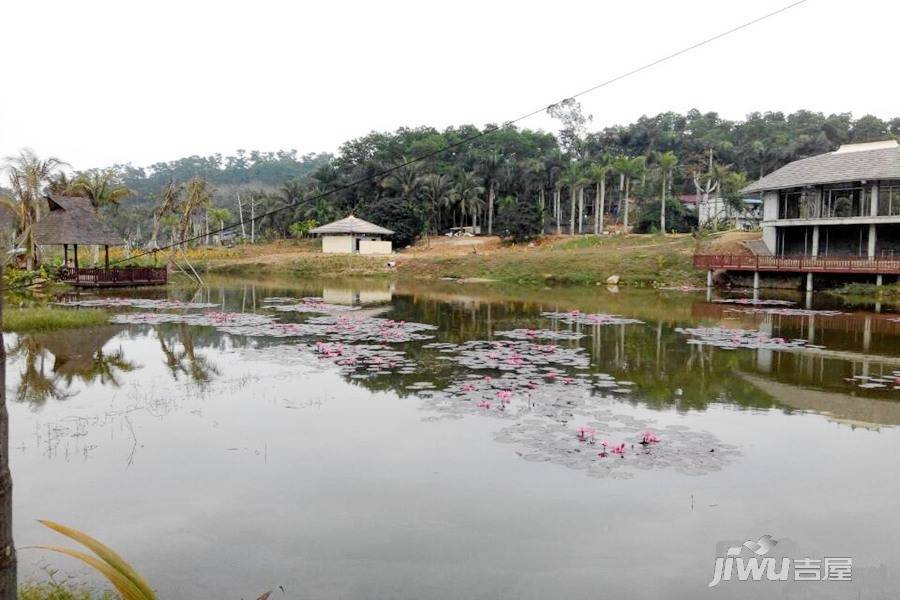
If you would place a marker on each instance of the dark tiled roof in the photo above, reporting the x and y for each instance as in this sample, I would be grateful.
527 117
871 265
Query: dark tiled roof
73 221
834 167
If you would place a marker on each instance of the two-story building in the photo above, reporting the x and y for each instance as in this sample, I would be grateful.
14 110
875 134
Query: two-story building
844 203
836 213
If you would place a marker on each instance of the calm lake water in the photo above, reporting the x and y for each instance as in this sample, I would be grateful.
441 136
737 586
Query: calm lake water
225 455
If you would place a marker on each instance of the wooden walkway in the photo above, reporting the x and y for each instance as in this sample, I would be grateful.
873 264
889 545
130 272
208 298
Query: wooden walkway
797 264
115 277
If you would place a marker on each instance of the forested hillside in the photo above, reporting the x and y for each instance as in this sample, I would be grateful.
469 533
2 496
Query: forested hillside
513 181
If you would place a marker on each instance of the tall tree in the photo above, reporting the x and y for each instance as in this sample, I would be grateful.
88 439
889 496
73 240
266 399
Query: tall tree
467 191
600 172
28 176
628 169
666 163
436 190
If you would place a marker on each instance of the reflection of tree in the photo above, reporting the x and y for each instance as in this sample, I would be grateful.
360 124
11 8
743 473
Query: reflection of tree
186 361
105 367
36 384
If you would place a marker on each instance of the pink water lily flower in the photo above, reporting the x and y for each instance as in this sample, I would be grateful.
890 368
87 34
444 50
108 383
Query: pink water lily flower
483 404
620 449
649 438
505 396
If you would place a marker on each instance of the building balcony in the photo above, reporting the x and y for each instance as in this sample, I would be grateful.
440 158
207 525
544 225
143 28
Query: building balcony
806 221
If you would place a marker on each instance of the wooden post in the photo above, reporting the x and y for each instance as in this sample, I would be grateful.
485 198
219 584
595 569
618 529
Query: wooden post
106 256
65 255
7 547
75 247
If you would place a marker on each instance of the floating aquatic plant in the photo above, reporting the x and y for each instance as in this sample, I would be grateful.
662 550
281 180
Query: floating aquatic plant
140 303
729 339
573 317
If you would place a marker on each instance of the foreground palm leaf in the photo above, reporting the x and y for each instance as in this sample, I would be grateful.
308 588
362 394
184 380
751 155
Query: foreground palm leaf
127 581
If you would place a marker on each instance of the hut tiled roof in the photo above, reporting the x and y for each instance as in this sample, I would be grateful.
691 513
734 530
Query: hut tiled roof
853 162
73 221
351 225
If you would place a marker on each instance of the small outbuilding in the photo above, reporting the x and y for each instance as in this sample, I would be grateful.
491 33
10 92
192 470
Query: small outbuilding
353 235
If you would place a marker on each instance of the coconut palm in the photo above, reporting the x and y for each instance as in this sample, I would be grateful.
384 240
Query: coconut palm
405 181
169 200
628 169
102 187
28 176
573 179
666 163
467 191
600 173
436 190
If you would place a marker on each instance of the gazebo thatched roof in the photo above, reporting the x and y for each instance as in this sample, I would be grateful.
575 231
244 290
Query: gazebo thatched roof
351 225
73 221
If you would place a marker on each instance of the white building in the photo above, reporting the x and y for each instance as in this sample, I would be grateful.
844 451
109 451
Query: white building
844 203
353 236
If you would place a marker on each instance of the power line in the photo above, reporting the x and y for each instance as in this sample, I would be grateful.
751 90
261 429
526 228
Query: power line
487 131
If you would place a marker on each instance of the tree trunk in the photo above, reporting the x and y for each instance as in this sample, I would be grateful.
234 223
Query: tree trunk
580 209
557 201
491 193
596 211
602 201
572 210
252 220
621 194
662 209
627 192
7 547
241 215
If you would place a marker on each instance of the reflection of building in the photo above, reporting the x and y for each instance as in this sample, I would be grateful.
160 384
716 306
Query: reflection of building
856 411
353 235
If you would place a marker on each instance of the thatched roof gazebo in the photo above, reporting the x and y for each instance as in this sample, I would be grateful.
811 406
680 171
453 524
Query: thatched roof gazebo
71 221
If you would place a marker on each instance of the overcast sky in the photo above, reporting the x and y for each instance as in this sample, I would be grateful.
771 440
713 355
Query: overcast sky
97 83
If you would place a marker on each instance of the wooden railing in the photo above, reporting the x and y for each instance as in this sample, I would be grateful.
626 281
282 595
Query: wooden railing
122 276
798 264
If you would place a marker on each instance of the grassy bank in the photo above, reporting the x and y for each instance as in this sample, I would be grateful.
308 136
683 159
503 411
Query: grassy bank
639 260
46 318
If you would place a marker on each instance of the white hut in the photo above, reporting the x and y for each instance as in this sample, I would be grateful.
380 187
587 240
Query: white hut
352 235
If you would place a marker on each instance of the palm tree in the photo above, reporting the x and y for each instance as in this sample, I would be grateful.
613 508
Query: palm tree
436 189
168 205
28 175
490 166
198 194
572 178
467 191
405 181
628 169
599 173
666 163
103 188
322 211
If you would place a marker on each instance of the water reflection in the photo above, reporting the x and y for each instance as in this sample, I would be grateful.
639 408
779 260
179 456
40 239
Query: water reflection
211 438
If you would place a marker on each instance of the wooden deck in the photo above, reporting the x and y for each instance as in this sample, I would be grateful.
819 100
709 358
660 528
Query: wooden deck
115 277
798 264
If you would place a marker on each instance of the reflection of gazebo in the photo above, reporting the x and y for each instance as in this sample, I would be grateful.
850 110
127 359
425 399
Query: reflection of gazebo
72 221
75 352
